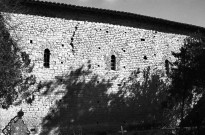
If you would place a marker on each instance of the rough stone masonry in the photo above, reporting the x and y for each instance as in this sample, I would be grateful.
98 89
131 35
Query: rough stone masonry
73 43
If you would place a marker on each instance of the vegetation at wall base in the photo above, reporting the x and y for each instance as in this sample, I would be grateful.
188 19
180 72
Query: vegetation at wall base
188 80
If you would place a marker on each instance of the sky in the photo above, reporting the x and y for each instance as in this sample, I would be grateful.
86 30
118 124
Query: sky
184 11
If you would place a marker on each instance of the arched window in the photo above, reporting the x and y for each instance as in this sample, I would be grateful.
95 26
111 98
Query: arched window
167 67
113 62
46 58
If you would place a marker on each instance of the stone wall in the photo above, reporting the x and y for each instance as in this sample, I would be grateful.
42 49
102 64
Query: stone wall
76 43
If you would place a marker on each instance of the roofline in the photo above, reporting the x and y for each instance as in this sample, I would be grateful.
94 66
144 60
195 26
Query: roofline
135 18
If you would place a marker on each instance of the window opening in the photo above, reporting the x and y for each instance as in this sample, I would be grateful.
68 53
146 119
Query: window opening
113 62
46 58
167 66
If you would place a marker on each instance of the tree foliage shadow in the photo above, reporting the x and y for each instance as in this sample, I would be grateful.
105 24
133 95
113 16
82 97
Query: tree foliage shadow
87 108
139 104
82 101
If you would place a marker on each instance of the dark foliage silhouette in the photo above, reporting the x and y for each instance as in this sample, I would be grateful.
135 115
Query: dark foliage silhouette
87 108
196 118
187 78
14 64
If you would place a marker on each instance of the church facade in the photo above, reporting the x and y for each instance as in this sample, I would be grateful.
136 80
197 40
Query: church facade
62 38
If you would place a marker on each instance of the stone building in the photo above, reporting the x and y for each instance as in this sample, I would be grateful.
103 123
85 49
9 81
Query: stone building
61 38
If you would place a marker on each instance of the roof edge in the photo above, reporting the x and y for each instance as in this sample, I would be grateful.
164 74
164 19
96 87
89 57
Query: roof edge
108 10
92 14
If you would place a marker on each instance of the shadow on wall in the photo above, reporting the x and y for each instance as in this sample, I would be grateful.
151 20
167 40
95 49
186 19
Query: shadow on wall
86 108
139 104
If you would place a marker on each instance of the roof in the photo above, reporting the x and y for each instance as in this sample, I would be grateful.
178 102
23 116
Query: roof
67 11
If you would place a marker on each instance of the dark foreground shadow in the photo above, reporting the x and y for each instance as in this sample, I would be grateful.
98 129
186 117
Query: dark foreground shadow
86 108
138 104
194 122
